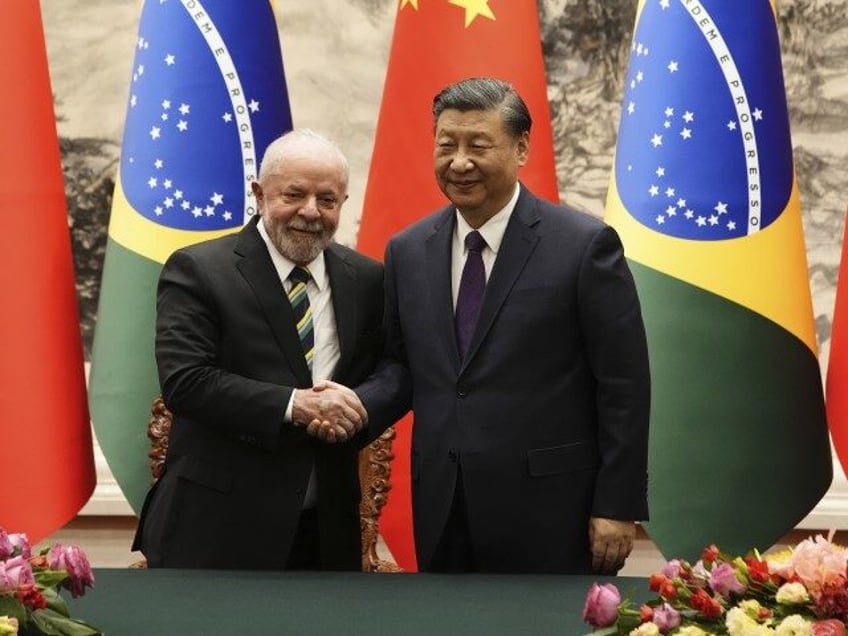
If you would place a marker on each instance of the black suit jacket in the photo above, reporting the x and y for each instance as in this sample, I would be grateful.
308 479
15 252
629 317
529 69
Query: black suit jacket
229 358
548 413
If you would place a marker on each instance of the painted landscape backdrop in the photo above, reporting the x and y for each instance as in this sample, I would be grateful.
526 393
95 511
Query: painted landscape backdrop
335 53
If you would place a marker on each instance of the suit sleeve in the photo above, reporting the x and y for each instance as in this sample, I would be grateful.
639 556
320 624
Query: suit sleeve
194 383
611 318
387 393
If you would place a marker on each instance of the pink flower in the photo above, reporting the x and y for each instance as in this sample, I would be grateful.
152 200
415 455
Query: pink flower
723 580
14 573
73 560
829 627
20 541
6 546
10 542
672 569
816 562
666 618
601 608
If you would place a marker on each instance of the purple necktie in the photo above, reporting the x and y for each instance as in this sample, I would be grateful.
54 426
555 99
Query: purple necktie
471 287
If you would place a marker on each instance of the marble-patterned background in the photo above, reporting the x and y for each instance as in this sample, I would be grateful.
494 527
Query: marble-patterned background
335 52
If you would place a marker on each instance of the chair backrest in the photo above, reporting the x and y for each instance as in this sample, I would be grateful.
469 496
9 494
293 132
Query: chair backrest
375 471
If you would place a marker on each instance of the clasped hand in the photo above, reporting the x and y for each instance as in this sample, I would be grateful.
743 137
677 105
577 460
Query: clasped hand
329 411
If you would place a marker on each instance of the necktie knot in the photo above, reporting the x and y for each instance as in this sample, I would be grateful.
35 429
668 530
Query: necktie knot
299 275
474 241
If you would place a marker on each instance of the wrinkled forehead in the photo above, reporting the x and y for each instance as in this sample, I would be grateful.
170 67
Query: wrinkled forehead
471 122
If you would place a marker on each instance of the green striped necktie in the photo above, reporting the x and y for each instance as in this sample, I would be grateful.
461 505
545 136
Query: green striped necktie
302 311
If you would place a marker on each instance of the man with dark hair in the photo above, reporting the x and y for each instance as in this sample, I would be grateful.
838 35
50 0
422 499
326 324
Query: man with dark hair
514 332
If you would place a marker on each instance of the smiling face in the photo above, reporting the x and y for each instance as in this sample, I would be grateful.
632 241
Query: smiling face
476 161
301 197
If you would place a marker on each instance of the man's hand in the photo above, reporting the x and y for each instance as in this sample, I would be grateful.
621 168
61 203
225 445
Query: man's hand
611 541
329 411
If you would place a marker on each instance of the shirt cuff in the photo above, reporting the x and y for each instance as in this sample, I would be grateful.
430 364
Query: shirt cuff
287 416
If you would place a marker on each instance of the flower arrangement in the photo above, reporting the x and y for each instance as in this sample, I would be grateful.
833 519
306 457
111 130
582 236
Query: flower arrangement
800 592
29 588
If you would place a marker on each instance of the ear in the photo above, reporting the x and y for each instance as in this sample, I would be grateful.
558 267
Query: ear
257 192
523 148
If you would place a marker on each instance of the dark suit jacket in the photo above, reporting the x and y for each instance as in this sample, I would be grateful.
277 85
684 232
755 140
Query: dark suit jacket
229 358
548 413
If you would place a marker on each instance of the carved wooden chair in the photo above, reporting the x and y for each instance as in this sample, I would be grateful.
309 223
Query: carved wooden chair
375 470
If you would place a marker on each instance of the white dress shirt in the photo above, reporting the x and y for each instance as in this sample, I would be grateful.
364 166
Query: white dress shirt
327 353
492 231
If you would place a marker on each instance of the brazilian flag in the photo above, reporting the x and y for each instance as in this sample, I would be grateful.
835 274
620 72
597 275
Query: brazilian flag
207 96
703 194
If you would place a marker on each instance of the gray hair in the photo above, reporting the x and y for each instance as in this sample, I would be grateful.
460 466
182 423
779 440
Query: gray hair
276 150
485 93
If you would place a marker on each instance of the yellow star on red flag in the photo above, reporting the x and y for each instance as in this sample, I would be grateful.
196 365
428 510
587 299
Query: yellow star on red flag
412 3
473 8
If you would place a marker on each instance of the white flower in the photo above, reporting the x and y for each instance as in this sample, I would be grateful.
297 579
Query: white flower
691 630
792 594
646 629
794 625
739 623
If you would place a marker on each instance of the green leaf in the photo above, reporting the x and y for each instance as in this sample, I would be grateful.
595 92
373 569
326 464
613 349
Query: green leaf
51 623
10 606
55 601
627 623
50 578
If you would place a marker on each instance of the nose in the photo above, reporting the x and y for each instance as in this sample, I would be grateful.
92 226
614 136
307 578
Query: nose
309 209
461 162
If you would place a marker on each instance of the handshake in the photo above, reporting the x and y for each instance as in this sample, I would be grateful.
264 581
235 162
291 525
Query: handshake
329 411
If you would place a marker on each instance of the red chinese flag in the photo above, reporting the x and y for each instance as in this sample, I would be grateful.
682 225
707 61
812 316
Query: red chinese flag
436 43
48 466
837 369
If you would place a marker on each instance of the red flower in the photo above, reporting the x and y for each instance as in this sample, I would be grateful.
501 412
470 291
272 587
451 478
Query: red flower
710 553
656 580
705 604
758 571
668 590
832 602
31 597
829 627
646 613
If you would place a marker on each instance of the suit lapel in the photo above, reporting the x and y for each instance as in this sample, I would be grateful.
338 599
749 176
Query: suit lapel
438 254
519 241
343 285
257 268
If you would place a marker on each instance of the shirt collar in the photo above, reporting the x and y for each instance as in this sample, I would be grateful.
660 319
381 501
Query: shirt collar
284 266
493 229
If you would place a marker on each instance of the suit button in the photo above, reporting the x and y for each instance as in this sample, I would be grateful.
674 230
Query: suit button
461 392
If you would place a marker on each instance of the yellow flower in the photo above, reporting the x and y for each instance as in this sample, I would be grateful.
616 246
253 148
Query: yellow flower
8 626
739 623
751 607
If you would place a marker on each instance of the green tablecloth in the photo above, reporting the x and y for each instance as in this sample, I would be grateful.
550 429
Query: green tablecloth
191 602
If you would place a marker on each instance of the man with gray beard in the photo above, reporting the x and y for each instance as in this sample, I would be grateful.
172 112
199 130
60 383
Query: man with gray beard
246 324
